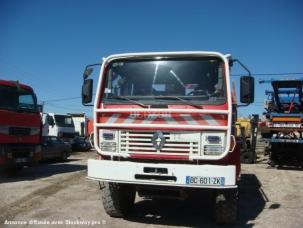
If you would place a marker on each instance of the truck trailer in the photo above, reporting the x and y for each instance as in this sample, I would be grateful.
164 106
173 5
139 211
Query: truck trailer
164 126
20 126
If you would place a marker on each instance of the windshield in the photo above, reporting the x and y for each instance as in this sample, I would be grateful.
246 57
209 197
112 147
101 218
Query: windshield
64 121
196 80
13 98
289 100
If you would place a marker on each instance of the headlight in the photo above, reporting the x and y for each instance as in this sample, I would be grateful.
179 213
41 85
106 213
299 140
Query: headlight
38 149
213 149
108 146
4 130
108 140
213 139
213 143
108 135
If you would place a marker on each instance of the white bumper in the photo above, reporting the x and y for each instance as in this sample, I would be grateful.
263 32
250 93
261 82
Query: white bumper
169 175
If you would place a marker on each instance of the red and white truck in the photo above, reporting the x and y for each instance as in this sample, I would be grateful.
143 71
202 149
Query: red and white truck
20 126
164 125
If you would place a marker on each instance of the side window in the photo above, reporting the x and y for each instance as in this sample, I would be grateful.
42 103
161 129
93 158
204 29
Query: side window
50 120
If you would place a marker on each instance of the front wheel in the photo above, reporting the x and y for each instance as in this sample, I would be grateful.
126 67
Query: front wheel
118 199
226 206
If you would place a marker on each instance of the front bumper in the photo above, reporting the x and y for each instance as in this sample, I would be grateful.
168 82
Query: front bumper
159 174
12 155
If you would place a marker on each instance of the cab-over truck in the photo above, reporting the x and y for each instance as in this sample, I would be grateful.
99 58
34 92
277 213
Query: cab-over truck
164 125
20 126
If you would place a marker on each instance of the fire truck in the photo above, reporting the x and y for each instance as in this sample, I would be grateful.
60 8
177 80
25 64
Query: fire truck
20 126
164 126
284 118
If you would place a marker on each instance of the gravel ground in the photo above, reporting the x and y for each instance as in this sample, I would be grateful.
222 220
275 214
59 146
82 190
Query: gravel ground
59 193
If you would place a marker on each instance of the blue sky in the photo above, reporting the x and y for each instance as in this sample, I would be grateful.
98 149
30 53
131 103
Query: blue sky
47 44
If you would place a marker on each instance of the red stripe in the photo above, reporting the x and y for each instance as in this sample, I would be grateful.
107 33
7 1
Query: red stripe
200 120
120 119
179 119
220 118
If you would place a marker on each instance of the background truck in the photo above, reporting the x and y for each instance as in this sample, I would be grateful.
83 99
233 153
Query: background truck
83 130
60 125
164 126
90 131
81 123
284 113
20 126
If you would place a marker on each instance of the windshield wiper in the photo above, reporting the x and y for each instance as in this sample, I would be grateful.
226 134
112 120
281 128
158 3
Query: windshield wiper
130 100
180 99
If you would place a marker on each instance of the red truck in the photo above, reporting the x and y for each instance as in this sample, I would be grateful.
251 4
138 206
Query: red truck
20 126
164 126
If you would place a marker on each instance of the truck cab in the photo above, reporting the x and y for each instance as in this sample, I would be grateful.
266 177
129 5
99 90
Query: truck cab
164 124
20 126
60 125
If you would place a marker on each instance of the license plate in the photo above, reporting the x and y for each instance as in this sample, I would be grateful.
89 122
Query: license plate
198 180
19 160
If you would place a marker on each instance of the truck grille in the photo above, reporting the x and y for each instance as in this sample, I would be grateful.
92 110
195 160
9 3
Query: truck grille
141 142
19 131
21 154
20 151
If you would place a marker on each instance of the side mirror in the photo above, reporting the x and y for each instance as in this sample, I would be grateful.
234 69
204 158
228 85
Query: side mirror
88 71
247 89
40 108
87 91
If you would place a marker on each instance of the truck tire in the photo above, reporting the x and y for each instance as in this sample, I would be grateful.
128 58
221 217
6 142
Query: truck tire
275 156
247 157
118 199
226 206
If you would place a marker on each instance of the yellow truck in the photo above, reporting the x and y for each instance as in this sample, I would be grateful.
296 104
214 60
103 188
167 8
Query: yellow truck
246 134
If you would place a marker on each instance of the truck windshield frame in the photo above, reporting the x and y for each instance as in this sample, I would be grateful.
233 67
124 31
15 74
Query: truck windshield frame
64 121
198 80
17 99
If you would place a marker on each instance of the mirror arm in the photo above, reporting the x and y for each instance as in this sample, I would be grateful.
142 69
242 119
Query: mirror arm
242 65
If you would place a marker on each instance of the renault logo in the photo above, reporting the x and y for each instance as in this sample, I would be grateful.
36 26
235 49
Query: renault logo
158 140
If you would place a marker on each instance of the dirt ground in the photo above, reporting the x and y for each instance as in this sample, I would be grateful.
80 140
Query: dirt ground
56 194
